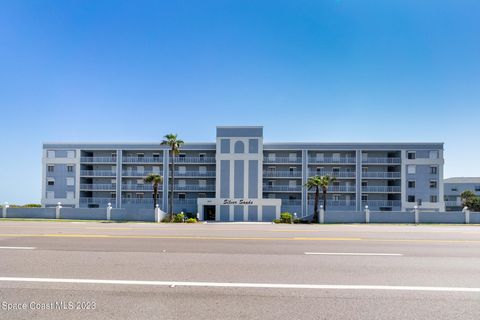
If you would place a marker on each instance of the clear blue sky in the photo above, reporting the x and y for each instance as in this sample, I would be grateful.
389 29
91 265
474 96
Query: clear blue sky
318 70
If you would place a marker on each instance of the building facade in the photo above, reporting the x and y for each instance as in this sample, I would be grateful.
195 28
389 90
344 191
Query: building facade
241 178
455 186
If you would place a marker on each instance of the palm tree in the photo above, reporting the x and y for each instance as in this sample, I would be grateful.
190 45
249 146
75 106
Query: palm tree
155 180
319 182
174 143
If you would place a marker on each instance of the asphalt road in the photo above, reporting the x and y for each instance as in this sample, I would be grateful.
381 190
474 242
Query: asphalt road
238 271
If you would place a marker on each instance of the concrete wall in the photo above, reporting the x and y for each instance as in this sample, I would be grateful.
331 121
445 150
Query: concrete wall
344 217
392 217
41 213
83 213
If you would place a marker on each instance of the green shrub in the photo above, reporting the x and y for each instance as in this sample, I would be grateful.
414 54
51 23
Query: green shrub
277 221
178 218
191 220
166 219
286 217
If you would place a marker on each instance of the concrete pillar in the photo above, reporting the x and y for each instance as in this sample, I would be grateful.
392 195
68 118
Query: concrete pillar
322 214
467 215
57 210
417 215
367 215
157 213
4 210
109 212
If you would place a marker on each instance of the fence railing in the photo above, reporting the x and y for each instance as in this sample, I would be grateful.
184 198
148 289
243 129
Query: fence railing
98 173
282 188
381 174
282 160
98 159
98 186
336 174
130 159
332 160
382 189
380 160
282 174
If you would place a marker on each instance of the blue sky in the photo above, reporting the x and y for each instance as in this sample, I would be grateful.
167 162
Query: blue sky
318 70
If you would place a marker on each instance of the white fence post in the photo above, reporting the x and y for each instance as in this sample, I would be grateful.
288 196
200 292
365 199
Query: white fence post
109 211
157 213
467 215
367 214
57 210
322 214
417 216
4 210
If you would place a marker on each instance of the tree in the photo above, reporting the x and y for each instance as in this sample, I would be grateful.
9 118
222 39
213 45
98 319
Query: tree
319 182
155 180
175 144
470 200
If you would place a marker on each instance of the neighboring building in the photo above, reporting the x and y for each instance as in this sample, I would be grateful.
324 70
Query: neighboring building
239 177
454 188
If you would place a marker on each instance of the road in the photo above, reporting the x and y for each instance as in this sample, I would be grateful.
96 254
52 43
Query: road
238 271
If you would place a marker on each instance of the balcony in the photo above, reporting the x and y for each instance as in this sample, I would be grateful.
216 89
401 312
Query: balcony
382 203
338 189
453 203
332 160
142 159
195 173
336 174
286 160
106 186
333 203
282 174
382 161
139 187
98 159
381 189
381 175
195 187
141 201
285 188
98 173
287 202
142 174
194 160
99 201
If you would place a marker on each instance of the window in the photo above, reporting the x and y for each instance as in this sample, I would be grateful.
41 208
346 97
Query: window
114 155
70 154
336 156
271 196
272 156
50 154
70 195
272 169
202 169
292 157
140 181
113 195
51 182
138 195
182 196
411 155
433 169
140 155
182 169
70 181
239 147
364 169
292 183
336 183
181 183
140 169
411 183
202 183
271 183
433 184
319 170
411 169
182 155
364 183
364 197
201 155
364 156
336 197
336 170
433 199
292 198
69 168
156 169
411 199
320 156
433 154
292 169
202 195
156 156
50 195
477 188
113 181
50 168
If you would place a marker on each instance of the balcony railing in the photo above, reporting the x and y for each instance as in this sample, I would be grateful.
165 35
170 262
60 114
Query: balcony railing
453 203
139 187
195 173
286 202
134 173
333 160
102 186
194 159
333 203
98 173
96 200
382 189
338 189
195 187
98 159
145 201
282 160
286 188
282 174
382 161
381 174
382 203
142 159
336 174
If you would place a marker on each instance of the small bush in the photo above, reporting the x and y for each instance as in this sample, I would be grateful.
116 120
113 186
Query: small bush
191 220
166 219
286 217
179 218
277 221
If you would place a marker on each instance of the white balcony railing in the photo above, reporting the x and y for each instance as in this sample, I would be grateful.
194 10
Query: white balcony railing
97 200
333 203
98 186
381 189
395 175
336 174
98 159
282 160
381 203
284 188
142 159
282 174
195 173
139 187
337 189
195 187
98 173
333 160
193 160
382 160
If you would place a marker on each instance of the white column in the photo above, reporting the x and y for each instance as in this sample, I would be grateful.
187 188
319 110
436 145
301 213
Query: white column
4 210
467 215
109 211
57 210
367 214
417 215
322 214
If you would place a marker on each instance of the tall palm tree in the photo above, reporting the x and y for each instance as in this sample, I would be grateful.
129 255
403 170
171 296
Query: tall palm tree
175 144
319 182
155 180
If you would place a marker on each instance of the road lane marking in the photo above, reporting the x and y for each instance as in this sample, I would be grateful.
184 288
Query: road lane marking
241 285
19 248
352 254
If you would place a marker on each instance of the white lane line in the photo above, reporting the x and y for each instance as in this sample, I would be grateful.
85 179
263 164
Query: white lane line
353 254
19 248
242 285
